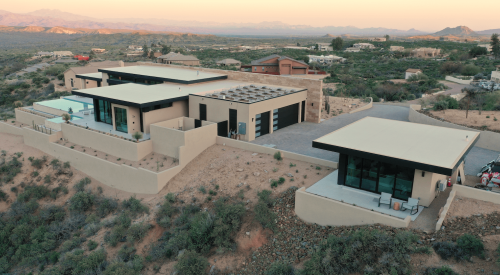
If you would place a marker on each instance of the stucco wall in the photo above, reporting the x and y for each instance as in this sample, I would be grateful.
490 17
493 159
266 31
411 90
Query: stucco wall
478 194
178 109
487 139
110 145
266 150
28 118
133 118
166 140
10 129
314 87
366 107
424 188
50 110
316 209
445 209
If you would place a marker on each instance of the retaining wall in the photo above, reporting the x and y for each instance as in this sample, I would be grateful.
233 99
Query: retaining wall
446 207
487 139
111 145
28 118
316 209
457 80
366 107
266 150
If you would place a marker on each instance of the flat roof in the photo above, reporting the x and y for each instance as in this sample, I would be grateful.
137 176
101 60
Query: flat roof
90 76
158 73
425 147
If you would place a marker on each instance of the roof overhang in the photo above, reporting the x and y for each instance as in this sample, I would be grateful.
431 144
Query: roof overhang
421 163
90 76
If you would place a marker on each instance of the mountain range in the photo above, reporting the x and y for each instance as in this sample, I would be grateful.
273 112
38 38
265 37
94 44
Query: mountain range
57 18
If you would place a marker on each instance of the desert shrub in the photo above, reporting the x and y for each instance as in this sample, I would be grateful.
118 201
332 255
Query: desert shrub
63 230
168 245
200 232
106 206
117 234
191 263
10 169
444 270
80 186
66 165
280 268
138 231
466 246
411 97
21 208
227 221
164 222
47 179
92 245
170 197
123 219
33 191
440 105
92 228
76 262
451 68
37 163
3 195
55 164
55 191
71 244
81 201
470 70
132 267
51 213
126 252
354 253
265 216
135 206
166 210
470 245
277 156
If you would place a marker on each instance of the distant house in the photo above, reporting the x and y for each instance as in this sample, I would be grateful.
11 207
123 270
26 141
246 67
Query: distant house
157 54
495 75
40 54
62 53
326 60
97 50
177 58
411 72
135 48
363 46
487 46
296 48
397 48
279 65
322 47
425 52
378 39
91 70
352 50
229 62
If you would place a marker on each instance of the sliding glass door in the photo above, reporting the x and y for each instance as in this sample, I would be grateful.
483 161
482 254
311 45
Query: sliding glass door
121 120
105 114
378 177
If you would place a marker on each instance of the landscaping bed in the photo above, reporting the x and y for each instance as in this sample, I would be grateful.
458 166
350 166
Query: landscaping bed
486 121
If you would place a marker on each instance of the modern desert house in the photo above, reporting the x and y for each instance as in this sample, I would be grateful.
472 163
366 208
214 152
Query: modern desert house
132 98
403 159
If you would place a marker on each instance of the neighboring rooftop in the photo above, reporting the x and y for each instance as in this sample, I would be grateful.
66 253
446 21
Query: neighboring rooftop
91 76
171 56
413 71
424 147
157 73
260 62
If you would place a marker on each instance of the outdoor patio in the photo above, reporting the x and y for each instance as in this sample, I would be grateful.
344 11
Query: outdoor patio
88 121
328 188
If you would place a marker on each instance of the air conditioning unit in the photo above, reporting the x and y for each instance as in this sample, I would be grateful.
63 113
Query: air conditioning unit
442 185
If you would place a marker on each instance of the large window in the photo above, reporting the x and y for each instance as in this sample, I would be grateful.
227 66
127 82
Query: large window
121 120
378 177
105 114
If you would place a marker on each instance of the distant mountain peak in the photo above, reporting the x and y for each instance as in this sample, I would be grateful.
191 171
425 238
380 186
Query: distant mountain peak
457 31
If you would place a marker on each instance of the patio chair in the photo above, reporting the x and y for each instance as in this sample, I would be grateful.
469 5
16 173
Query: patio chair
411 205
385 198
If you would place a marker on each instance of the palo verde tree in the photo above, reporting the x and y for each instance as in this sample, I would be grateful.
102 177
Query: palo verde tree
337 44
495 45
474 93
387 37
145 50
166 49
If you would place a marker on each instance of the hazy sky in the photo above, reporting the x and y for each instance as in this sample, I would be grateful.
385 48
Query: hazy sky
425 15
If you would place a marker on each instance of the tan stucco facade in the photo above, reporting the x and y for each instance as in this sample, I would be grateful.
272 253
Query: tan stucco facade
178 109
133 118
218 110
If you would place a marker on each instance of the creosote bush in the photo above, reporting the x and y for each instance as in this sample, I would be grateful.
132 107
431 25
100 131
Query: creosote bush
190 263
263 214
81 201
466 246
135 206
277 156
281 268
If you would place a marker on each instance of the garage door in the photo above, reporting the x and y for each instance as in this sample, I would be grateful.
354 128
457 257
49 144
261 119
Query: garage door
286 116
286 69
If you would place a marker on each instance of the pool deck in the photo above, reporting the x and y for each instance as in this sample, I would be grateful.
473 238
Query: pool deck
80 99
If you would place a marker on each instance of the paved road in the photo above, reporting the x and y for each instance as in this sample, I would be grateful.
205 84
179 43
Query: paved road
298 138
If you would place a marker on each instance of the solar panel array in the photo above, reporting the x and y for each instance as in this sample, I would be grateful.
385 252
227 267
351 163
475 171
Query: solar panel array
250 94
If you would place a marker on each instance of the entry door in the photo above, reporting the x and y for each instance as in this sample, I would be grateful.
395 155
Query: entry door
197 123
203 112
262 124
222 128
233 120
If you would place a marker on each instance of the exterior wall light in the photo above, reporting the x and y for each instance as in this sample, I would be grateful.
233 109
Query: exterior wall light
423 174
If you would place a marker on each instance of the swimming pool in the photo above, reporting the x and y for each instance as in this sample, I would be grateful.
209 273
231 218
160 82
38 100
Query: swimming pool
60 120
63 104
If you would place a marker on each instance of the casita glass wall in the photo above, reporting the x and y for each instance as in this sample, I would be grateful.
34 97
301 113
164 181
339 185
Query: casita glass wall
378 177
102 111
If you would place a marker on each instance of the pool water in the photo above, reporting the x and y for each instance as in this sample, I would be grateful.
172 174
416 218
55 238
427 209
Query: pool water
60 120
63 104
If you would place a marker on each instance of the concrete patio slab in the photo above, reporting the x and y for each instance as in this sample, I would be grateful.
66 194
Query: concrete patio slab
328 188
